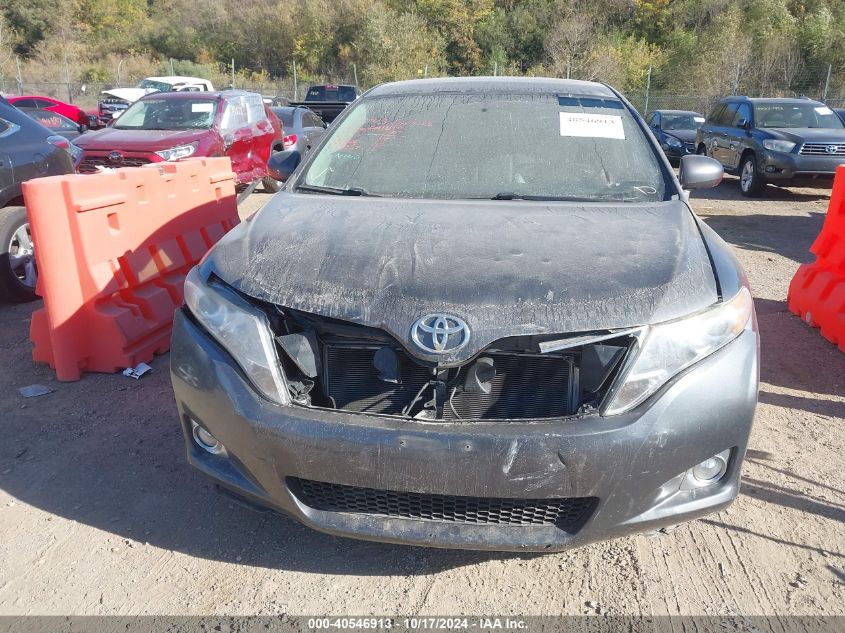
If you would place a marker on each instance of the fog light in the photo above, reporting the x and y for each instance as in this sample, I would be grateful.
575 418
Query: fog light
707 472
709 469
206 440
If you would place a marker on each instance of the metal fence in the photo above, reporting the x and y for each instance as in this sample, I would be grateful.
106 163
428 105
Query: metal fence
822 84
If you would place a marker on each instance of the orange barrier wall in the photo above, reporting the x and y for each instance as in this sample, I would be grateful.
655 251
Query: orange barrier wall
817 292
112 252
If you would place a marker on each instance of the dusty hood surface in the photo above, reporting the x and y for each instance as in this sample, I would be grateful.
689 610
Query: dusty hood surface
505 267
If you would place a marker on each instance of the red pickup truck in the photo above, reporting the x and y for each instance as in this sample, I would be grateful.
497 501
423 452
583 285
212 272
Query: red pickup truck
175 125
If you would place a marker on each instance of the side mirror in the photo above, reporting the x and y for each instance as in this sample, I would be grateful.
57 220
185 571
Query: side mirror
281 164
743 124
82 128
700 172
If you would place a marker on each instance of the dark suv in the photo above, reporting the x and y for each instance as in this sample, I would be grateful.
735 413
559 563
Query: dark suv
774 141
27 150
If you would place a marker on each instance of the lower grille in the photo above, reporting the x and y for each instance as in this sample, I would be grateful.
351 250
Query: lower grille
90 165
525 386
568 513
823 149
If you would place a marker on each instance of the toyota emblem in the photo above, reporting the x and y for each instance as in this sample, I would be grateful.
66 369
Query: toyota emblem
831 149
115 157
439 333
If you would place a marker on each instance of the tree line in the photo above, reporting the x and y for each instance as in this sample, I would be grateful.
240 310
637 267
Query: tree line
691 46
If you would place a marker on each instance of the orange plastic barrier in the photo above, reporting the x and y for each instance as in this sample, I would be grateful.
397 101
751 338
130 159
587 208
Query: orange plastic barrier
817 291
112 252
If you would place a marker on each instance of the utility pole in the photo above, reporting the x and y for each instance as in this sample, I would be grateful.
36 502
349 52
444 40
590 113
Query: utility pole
355 73
495 68
295 88
18 75
233 73
826 82
425 72
647 89
171 67
119 64
568 68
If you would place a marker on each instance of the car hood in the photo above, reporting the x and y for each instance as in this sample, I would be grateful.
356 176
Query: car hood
506 268
111 138
129 94
688 136
807 134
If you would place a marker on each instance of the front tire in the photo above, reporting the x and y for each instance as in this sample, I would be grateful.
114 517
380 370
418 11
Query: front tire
270 184
751 183
17 257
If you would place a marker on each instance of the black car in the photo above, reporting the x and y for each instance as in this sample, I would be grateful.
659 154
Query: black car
840 112
480 314
56 123
27 150
774 141
328 100
675 131
302 127
332 92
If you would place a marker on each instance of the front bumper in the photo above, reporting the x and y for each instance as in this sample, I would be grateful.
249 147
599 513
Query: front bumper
633 464
678 152
779 166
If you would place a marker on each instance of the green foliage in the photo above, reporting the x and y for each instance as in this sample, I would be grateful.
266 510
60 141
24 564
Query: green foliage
693 46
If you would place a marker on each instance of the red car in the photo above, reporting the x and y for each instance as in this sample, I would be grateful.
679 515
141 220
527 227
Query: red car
53 105
171 126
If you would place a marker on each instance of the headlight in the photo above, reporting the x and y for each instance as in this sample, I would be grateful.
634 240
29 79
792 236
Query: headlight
241 329
669 348
175 153
778 146
671 141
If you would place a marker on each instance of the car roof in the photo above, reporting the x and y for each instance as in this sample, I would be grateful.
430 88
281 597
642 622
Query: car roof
208 95
172 79
690 112
514 85
772 100
13 98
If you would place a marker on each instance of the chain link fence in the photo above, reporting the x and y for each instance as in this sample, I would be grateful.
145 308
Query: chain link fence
822 83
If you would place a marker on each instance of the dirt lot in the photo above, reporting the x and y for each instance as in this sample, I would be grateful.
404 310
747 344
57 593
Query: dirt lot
100 514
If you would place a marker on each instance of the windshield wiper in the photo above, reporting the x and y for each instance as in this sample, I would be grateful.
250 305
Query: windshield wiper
336 191
507 195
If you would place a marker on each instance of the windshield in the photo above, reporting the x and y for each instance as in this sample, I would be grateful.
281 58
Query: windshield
331 93
168 114
796 115
488 146
285 116
161 86
54 121
682 121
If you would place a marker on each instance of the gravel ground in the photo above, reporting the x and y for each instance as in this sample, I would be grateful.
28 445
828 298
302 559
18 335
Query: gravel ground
100 514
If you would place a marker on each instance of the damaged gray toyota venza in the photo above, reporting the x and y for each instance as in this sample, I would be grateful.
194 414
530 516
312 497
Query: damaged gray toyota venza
479 314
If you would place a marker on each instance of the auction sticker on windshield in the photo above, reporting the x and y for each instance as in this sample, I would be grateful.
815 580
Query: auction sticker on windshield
591 125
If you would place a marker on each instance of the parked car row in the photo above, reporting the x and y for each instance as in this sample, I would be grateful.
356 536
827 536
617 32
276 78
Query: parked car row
160 126
774 141
27 150
783 142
